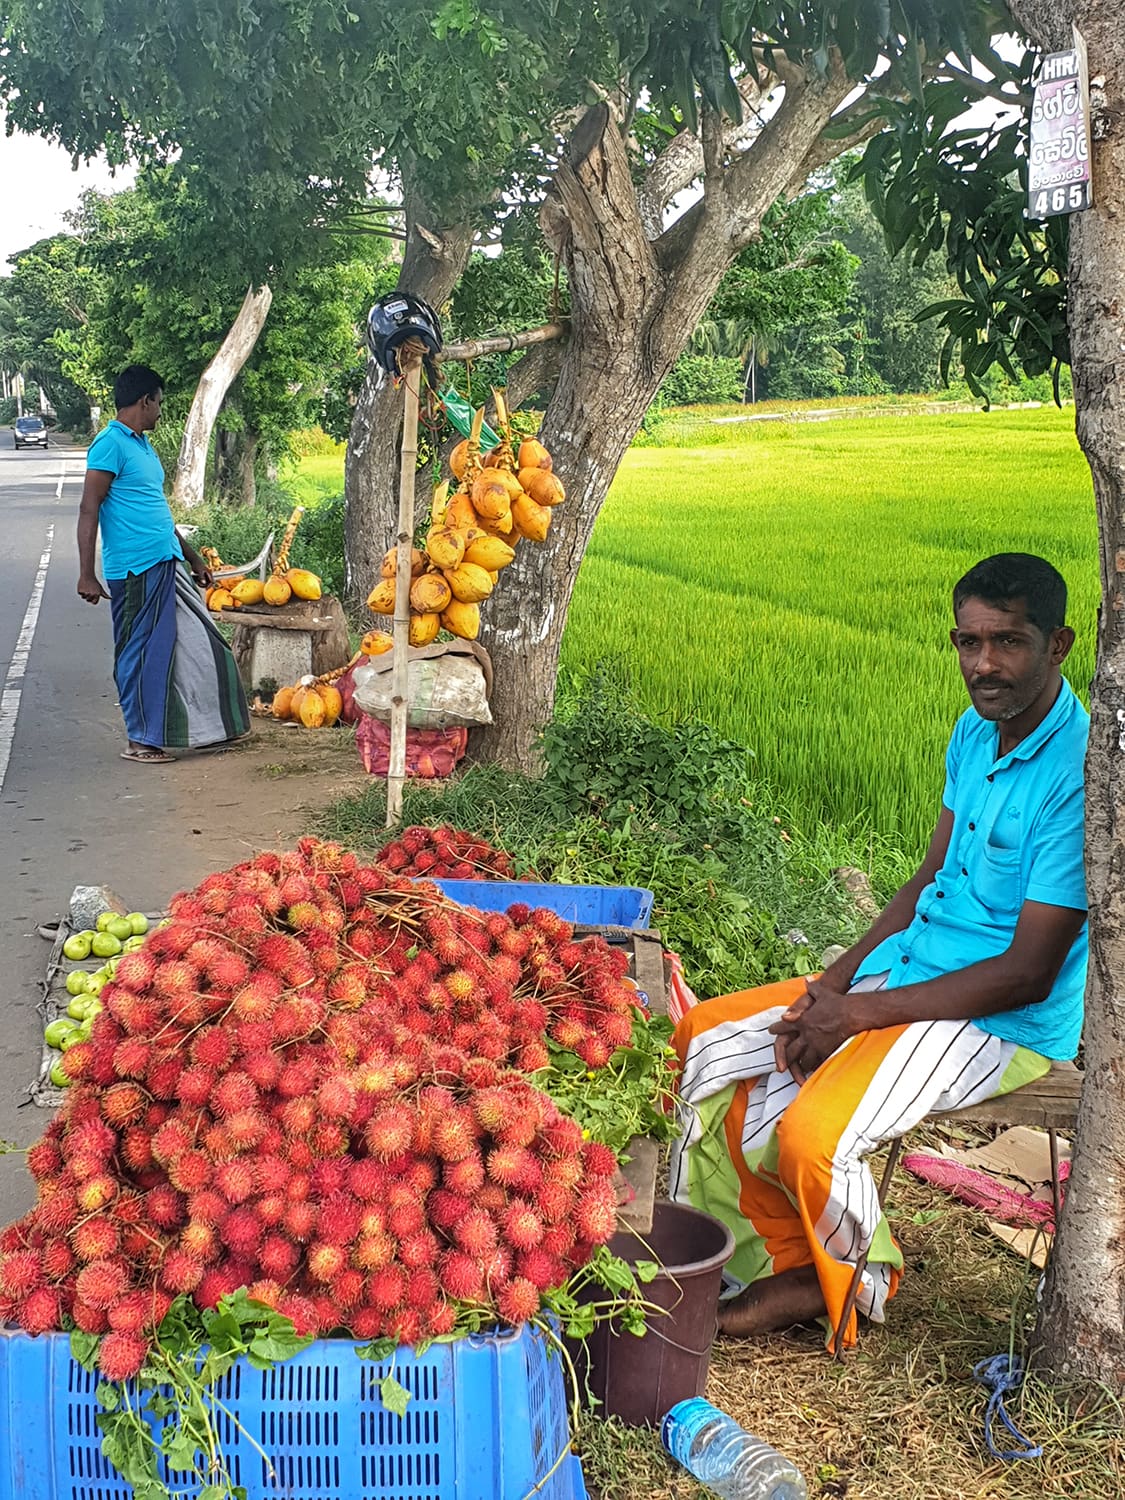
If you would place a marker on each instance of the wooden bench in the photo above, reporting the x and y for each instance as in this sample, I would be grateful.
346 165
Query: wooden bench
1051 1103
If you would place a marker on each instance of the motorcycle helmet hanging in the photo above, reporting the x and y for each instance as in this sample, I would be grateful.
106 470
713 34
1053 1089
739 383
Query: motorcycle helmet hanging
395 318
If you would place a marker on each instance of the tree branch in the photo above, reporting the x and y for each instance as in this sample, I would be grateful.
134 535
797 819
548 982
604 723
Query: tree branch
985 88
505 343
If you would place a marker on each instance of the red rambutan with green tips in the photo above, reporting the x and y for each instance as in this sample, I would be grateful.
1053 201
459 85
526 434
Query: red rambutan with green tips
460 1277
241 1231
212 1048
235 1180
102 1282
247 1129
171 1140
266 1291
595 1212
278 1257
189 1171
233 1092
475 1233
325 1261
518 1300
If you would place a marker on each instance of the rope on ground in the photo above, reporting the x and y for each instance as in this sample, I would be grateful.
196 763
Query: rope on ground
1002 1374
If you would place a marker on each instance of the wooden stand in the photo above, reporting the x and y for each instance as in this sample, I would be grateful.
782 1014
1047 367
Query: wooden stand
283 644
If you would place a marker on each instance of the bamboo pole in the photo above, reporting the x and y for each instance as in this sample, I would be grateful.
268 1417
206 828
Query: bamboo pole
410 365
505 343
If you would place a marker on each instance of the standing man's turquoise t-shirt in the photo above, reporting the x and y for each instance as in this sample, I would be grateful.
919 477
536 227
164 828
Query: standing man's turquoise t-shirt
135 521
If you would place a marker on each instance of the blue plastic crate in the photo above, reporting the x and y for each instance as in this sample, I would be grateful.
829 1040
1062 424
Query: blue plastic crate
591 905
487 1420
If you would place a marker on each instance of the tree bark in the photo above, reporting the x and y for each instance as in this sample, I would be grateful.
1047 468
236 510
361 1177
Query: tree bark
216 380
634 305
431 267
1081 1327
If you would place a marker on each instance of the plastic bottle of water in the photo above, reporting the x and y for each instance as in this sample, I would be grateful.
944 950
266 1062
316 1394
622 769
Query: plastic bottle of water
725 1457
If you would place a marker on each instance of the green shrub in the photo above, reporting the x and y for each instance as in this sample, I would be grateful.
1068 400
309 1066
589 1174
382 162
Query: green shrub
696 378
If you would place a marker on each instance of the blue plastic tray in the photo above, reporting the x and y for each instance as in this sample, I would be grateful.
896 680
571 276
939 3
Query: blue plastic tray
592 905
487 1420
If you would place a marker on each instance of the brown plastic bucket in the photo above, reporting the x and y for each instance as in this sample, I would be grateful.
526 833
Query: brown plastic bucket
640 1379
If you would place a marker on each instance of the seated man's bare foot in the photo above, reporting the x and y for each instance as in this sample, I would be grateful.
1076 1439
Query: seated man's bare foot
772 1304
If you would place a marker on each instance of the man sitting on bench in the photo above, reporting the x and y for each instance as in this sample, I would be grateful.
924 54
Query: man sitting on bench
966 987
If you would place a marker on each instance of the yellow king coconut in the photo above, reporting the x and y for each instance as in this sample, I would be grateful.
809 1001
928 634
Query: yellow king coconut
430 594
544 487
424 628
491 500
220 599
282 702
376 642
304 584
445 547
459 513
531 519
249 591
533 455
312 712
333 703
462 619
381 599
469 583
277 591
390 563
489 553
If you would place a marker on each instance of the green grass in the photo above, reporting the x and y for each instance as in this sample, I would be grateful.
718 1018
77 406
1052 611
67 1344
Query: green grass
793 591
315 478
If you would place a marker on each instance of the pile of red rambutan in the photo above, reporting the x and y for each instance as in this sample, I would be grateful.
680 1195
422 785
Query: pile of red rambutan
447 853
311 1082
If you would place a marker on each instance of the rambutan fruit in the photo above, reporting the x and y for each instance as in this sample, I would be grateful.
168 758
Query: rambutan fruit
278 1257
338 1220
328 1138
39 1311
518 1300
460 1277
299 1186
511 1166
176 979
497 1267
544 1270
89 1319
102 1282
561 1136
271 1174
233 1091
373 1251
123 1104
422 1290
406 1325
262 1067
235 1180
164 1207
455 1135
44 1160
121 1355
189 1171
129 1314
247 1129
212 1048
329 1176
271 1209
406 1218
194 1085
419 1249
88 1138
58 1259
96 1192
174 940
58 1213
280 953
17 1236
367 1179
217 1283
80 1169
135 971
163 1074
440 1319
595 1052
599 1160
388 1133
298 1116
595 1213
386 1288
447 1209
464 1176
241 1231
325 1261
347 1288
171 1140
522 1226
301 1312
201 1242
21 1273
218 1144
532 1057
180 1272
228 971
300 1220
296 1017
257 998
475 1233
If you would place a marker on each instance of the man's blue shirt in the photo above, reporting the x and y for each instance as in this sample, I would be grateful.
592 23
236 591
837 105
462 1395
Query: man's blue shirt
1017 836
136 523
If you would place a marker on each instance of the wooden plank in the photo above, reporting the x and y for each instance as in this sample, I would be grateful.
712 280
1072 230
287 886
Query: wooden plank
1050 1103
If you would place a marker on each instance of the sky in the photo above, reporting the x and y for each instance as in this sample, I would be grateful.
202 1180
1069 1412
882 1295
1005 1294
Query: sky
38 186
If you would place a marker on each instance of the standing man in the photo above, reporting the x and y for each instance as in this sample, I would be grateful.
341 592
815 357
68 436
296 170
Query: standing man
175 675
966 987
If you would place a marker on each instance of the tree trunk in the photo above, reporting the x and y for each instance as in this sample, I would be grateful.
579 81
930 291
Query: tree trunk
236 456
1082 1319
431 267
634 306
216 380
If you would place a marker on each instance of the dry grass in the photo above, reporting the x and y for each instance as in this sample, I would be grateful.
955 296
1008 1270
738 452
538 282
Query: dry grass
902 1418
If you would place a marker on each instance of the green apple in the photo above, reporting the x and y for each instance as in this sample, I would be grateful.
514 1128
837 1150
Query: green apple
76 981
60 1077
138 922
105 945
54 1033
77 946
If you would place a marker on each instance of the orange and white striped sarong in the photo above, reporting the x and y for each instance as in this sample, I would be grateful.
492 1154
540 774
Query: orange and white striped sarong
783 1165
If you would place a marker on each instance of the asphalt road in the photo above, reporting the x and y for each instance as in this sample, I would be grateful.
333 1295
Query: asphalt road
71 810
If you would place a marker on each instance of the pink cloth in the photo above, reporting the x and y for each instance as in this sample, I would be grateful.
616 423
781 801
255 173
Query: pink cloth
429 752
979 1190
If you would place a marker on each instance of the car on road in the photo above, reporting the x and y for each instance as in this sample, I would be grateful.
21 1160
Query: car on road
29 432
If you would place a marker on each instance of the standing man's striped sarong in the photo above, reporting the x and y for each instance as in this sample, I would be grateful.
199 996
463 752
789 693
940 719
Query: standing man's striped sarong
783 1165
176 677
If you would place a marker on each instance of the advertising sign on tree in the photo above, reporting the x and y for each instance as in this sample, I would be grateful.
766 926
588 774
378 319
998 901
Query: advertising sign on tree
1058 177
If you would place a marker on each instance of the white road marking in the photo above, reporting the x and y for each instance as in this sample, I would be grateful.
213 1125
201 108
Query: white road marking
62 477
13 683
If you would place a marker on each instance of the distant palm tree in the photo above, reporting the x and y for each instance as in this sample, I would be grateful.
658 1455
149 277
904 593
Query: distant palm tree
737 338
